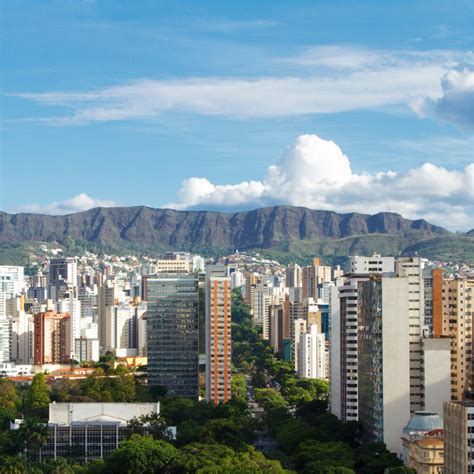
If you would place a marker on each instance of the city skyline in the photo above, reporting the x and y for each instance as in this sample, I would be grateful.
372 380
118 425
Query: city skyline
353 107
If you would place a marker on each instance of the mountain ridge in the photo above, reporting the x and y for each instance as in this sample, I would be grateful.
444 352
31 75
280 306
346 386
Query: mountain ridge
280 229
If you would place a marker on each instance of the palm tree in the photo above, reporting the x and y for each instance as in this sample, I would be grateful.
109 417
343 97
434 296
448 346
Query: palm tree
32 435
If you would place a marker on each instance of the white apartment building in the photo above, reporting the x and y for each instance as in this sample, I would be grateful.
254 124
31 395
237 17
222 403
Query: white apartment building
312 360
383 360
375 264
12 282
412 269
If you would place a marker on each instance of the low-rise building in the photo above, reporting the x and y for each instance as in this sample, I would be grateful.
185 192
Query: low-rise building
89 431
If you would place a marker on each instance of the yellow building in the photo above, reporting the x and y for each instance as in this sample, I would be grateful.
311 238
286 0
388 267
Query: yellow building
426 455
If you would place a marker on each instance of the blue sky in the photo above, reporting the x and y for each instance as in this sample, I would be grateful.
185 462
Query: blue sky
232 105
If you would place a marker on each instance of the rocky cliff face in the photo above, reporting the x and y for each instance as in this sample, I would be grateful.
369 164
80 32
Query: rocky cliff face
164 228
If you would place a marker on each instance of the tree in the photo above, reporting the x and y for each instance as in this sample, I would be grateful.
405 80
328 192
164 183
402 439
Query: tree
12 465
269 398
153 425
213 458
9 399
142 454
325 454
239 387
374 458
31 435
232 432
37 397
317 468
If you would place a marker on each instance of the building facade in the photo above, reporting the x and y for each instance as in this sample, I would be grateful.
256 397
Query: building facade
173 333
218 334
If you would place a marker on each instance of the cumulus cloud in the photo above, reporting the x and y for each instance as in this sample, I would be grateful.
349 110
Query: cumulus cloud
455 104
315 173
78 203
323 79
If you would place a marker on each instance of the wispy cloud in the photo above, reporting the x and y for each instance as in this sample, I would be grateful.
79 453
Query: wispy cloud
332 79
78 203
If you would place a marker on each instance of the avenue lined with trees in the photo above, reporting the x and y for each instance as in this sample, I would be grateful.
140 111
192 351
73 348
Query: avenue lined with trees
304 436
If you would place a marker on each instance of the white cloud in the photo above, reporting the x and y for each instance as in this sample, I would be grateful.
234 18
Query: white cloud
316 173
455 103
78 203
328 79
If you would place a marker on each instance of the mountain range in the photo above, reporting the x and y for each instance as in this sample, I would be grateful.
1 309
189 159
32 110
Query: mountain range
284 232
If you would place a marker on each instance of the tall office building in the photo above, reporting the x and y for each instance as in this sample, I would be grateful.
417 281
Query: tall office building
293 276
457 324
458 437
173 333
312 276
383 359
62 276
218 334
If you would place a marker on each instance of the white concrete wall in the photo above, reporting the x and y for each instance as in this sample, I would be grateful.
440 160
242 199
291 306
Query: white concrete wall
437 373
66 413
396 361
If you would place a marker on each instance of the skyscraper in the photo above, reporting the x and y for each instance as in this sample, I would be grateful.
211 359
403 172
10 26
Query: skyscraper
62 276
218 334
173 333
383 359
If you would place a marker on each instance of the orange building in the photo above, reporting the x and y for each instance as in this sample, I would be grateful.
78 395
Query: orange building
218 335
51 332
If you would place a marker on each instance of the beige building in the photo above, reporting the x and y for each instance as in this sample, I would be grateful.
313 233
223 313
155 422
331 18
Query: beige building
457 324
458 437
426 455
178 265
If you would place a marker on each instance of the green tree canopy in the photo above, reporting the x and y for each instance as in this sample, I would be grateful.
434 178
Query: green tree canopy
333 454
142 454
37 398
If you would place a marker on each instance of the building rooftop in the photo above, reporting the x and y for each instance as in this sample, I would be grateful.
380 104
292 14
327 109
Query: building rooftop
430 442
422 422
87 413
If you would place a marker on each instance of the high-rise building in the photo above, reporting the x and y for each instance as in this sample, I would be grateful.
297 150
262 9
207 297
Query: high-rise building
360 264
71 305
218 334
344 354
276 331
312 276
457 324
458 437
412 269
383 359
173 333
11 283
293 276
312 359
62 276
300 326
51 338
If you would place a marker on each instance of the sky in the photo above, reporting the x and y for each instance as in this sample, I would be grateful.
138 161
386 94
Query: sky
351 106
